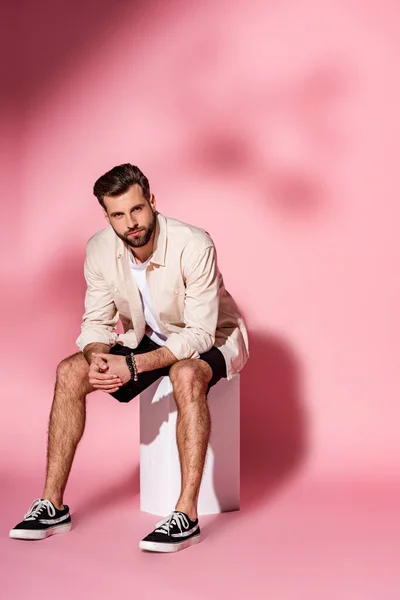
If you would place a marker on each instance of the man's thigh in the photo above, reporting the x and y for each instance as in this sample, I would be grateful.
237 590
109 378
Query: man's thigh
216 360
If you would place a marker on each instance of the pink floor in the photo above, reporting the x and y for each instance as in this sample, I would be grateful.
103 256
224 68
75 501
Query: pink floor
306 540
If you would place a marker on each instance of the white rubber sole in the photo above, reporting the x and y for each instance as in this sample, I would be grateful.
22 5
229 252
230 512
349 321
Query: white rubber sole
154 547
27 534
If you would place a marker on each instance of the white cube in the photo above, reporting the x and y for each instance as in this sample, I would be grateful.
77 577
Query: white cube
160 473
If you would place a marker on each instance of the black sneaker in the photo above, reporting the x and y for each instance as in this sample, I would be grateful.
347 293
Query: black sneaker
41 520
174 533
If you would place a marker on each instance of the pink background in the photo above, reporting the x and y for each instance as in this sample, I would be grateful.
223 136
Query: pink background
275 126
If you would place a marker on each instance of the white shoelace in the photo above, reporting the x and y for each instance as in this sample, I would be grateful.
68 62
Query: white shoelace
37 507
177 518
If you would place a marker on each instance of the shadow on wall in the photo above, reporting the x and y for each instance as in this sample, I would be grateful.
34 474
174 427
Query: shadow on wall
68 29
273 420
274 428
285 150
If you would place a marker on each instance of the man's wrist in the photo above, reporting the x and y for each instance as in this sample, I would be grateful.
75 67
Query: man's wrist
131 363
156 359
138 362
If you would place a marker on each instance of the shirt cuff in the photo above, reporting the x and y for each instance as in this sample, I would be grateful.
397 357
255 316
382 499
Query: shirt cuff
179 347
96 337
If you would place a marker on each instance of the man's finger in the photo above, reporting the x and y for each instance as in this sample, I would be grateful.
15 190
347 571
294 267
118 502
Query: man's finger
98 384
100 365
104 377
106 388
101 355
97 356
98 372
95 381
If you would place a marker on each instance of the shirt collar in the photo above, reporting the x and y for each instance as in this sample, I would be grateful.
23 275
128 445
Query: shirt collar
160 241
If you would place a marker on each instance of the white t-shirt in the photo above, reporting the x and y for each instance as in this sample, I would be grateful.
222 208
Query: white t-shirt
139 274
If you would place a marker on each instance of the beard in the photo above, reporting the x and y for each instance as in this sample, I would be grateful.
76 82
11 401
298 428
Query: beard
143 238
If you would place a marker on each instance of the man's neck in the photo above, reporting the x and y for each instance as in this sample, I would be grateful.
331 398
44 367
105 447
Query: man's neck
142 257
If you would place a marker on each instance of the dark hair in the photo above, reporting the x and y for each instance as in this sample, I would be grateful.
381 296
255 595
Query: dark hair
118 181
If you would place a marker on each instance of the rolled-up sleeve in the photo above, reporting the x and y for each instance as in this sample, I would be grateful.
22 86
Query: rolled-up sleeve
101 316
201 305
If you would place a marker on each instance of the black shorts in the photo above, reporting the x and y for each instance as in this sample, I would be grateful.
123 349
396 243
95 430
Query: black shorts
213 357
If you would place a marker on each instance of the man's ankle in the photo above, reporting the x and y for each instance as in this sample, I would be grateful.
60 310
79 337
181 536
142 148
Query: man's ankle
188 508
56 500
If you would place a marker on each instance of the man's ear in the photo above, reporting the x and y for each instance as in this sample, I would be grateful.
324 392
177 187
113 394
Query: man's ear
152 201
106 216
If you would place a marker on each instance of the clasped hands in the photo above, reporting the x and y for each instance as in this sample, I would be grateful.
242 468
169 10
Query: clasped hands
108 372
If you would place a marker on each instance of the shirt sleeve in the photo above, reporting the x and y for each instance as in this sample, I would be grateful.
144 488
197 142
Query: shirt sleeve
201 306
101 316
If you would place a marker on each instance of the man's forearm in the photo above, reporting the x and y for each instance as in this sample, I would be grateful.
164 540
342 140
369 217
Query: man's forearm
156 359
95 347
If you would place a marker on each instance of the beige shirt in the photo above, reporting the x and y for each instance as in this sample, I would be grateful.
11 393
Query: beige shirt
189 299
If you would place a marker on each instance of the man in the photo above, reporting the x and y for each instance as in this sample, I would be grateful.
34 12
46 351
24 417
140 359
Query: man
160 278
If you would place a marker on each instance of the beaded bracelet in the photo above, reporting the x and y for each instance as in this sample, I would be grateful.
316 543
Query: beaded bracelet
131 362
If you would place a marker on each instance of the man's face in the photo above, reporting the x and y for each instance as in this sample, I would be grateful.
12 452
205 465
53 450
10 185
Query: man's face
132 217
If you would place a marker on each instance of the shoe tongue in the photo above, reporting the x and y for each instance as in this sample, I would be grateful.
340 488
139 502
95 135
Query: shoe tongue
179 512
185 515
49 501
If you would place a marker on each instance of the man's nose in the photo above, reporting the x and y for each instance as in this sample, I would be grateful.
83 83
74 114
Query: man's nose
131 222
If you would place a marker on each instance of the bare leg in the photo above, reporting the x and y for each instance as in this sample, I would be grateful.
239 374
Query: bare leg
67 423
190 379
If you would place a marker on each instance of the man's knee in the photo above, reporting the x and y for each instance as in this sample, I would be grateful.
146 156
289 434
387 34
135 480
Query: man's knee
72 368
191 375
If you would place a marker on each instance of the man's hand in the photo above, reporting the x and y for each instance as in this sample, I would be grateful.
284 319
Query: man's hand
94 347
100 375
108 371
102 378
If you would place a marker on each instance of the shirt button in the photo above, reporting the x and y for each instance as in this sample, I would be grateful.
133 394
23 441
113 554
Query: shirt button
115 290
176 292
